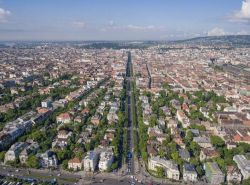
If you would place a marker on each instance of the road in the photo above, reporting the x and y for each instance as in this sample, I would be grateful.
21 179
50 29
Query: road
42 175
130 150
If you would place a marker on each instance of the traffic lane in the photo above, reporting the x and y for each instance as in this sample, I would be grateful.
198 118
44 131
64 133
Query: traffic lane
115 182
45 174
41 175
41 171
42 178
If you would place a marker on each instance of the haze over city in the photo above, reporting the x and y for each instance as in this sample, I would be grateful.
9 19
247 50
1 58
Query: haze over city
122 20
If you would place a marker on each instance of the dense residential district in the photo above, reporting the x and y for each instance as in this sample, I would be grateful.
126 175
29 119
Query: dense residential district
161 114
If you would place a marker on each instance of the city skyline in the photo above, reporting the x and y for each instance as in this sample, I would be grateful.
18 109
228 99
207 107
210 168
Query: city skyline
122 20
124 92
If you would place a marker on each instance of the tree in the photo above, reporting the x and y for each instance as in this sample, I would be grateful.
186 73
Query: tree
195 148
2 154
244 147
37 136
246 181
199 170
173 147
155 107
163 93
175 156
167 140
217 141
153 120
161 113
161 153
189 137
33 161
194 161
198 127
63 154
160 171
221 163
65 164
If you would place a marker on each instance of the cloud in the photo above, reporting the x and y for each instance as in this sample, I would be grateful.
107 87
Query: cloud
79 24
130 27
243 32
111 23
216 32
141 28
242 15
4 14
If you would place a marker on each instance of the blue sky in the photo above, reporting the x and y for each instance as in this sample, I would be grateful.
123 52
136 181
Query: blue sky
121 19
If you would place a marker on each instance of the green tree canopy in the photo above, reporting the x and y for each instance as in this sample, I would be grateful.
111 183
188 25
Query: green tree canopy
33 162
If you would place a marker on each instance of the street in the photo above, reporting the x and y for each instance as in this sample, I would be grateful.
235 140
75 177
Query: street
134 170
43 175
130 151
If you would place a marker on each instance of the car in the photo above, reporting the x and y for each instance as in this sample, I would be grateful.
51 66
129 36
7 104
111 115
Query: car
129 155
17 170
58 174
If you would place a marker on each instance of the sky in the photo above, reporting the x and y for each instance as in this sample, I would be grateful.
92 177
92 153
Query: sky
122 19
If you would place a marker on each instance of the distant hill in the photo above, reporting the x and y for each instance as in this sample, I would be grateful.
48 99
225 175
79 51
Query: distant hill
230 40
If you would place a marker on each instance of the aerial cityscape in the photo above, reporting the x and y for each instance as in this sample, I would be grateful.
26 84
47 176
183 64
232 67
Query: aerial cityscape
124 92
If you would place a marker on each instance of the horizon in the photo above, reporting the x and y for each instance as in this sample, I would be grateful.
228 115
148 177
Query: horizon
112 41
111 20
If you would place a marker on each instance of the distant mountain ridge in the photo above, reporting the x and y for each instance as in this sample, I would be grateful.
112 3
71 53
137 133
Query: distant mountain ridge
230 40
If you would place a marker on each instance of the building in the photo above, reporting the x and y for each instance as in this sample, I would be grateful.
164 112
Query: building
48 159
112 117
172 124
233 175
47 103
63 118
5 140
62 139
184 154
96 119
27 151
59 103
183 118
231 145
90 161
13 153
14 129
75 164
203 142
243 164
106 159
213 173
170 168
189 173
208 153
